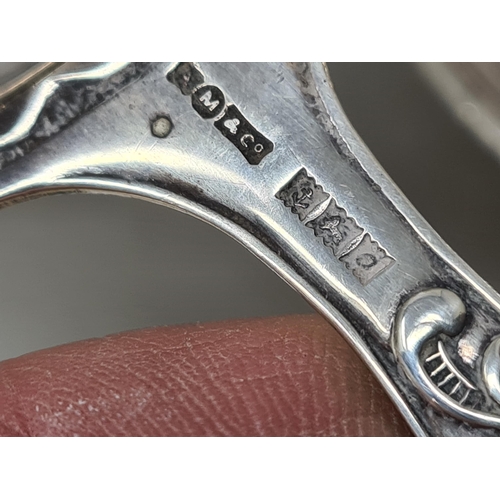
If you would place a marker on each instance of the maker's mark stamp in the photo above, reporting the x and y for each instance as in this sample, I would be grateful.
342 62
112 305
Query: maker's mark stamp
251 143
210 103
319 211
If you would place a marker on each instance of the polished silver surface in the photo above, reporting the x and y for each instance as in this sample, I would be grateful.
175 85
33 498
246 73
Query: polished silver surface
265 153
491 369
42 93
21 76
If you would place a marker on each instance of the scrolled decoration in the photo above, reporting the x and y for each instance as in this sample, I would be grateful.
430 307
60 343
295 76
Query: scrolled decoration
421 319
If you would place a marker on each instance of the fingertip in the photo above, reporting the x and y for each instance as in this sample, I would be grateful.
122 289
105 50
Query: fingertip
275 377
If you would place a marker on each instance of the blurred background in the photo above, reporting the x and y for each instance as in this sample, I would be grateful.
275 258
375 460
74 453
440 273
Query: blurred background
80 266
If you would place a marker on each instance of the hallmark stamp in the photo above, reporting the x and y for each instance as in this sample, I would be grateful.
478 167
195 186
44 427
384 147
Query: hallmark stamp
319 211
186 77
210 103
302 195
250 142
339 232
367 260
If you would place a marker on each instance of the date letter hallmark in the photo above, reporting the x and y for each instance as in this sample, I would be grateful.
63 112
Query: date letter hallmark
209 102
319 211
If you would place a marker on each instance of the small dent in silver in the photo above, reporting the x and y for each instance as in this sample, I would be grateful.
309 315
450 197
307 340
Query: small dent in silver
161 127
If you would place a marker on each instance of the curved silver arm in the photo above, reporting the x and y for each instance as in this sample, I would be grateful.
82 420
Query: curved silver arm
265 153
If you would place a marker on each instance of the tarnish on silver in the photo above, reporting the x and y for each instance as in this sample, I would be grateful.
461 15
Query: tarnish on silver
452 373
45 89
265 153
420 319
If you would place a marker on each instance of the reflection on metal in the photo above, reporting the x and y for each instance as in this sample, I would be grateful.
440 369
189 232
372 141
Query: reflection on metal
25 79
420 321
45 89
491 369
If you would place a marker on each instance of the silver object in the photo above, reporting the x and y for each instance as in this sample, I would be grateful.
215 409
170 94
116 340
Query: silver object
265 153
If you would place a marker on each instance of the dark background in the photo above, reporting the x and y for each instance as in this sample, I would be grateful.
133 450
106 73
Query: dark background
73 267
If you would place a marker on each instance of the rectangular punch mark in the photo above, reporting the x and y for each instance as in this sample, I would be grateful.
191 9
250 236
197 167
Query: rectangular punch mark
319 211
302 195
186 77
367 260
249 141
337 229
210 103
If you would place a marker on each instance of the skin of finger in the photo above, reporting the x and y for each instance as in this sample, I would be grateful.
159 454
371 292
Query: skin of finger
286 376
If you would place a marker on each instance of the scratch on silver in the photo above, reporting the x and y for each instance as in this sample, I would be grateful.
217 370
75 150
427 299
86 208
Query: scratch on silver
44 90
